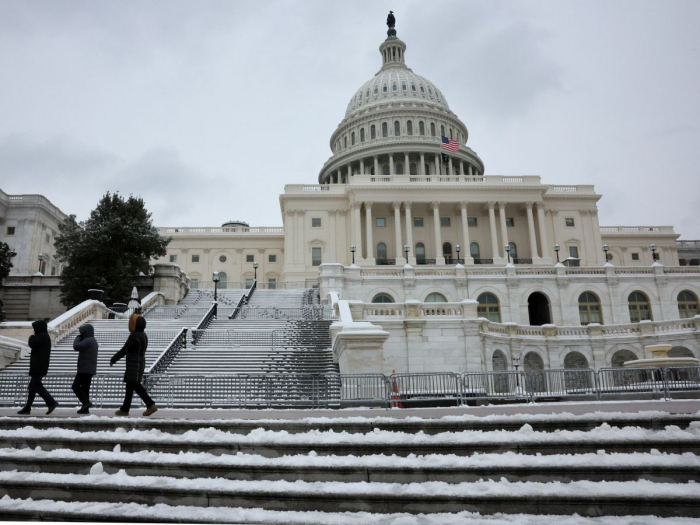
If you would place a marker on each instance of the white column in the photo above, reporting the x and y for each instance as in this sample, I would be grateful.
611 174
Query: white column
465 234
391 164
407 168
397 233
409 232
435 206
469 167
358 229
504 228
495 250
376 165
437 164
544 243
368 232
362 166
301 243
332 238
531 231
422 164
461 168
289 237
449 166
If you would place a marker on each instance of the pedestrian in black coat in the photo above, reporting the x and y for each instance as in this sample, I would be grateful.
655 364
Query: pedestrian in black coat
86 346
40 344
135 351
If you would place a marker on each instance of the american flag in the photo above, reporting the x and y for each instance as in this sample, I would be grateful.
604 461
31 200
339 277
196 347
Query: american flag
450 145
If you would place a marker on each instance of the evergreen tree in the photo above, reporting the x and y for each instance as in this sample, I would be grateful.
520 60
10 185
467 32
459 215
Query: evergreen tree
108 251
5 264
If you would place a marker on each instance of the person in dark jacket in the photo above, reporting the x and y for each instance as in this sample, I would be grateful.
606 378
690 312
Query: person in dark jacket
135 351
40 344
86 346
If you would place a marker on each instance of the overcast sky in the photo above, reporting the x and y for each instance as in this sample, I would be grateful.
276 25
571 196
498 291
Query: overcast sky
207 109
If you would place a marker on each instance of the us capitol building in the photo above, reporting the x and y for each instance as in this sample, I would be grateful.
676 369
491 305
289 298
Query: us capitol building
444 268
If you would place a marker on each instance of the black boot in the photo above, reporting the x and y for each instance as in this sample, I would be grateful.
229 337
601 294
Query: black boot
25 410
52 408
85 409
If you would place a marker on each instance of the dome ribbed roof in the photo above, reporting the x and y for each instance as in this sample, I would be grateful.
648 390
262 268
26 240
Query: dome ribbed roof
395 84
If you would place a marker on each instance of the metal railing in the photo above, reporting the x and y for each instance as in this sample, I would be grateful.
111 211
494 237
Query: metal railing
397 390
245 299
304 313
204 323
166 357
176 312
119 337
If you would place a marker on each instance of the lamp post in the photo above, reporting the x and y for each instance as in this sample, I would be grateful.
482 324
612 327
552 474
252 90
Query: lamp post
516 364
255 269
406 248
556 249
654 256
605 249
507 248
458 249
215 278
352 250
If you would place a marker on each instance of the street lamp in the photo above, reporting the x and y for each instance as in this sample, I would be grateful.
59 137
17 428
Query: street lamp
556 249
255 268
458 249
516 364
352 249
605 249
507 248
406 249
215 278
652 247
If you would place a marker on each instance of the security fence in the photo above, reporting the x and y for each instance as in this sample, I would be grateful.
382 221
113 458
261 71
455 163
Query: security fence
304 313
371 390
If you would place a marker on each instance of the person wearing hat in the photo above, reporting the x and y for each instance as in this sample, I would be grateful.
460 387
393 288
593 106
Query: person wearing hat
86 346
40 344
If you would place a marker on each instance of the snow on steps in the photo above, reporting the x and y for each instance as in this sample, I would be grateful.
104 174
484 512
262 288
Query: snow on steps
334 470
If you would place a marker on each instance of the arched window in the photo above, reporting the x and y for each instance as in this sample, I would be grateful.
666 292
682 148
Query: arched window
639 307
397 128
447 249
383 298
499 361
532 361
489 307
421 128
474 250
450 132
345 141
381 251
420 252
621 357
399 168
680 351
385 169
373 132
513 250
442 130
362 134
409 128
385 129
223 278
413 170
589 309
426 167
352 138
687 304
432 129
435 298
394 88
575 360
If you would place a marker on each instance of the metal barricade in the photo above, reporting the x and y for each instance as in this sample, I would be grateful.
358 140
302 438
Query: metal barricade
505 385
682 380
119 337
107 390
182 391
562 383
624 382
364 390
13 388
429 388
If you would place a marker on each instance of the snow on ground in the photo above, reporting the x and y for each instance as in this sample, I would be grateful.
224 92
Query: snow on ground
137 512
481 488
430 461
260 436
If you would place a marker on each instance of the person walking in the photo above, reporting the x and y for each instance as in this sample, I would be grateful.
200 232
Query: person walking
135 351
40 344
86 346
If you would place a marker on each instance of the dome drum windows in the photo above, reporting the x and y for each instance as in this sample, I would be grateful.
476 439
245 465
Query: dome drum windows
373 132
385 130
409 127
397 128
362 134
352 138
421 128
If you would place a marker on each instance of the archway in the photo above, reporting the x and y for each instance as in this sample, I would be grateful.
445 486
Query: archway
538 309
680 351
533 363
500 364
620 357
575 360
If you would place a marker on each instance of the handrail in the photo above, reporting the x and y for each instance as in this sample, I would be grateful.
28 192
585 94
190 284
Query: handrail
245 299
166 357
206 320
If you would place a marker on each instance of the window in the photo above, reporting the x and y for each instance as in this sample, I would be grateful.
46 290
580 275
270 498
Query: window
635 256
345 141
47 239
373 132
409 128
384 88
53 269
589 309
489 307
513 250
383 298
394 88
381 251
510 222
417 222
472 222
250 258
195 258
413 169
385 169
248 282
639 307
420 252
315 256
450 132
421 128
316 222
620 357
413 88
173 258
385 129
272 258
10 230
432 129
381 222
223 280
362 135
474 250
222 259
397 128
194 283
399 168
272 284
569 222
447 249
445 222
687 304
573 251
403 87
352 138
435 298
